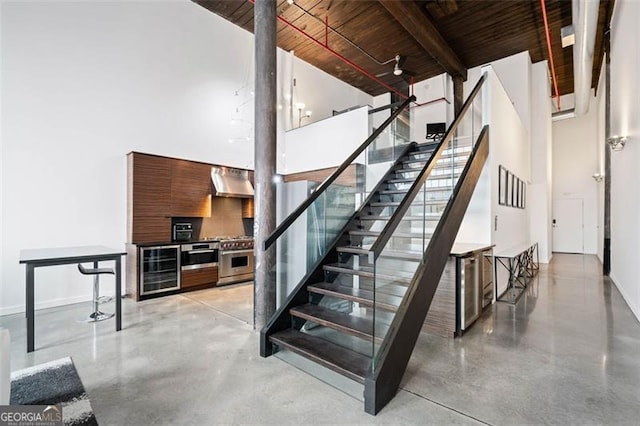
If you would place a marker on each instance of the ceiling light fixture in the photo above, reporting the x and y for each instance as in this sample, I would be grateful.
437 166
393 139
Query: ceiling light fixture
568 36
617 143
396 68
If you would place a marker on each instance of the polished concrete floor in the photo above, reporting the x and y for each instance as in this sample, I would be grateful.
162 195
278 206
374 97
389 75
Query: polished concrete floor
567 353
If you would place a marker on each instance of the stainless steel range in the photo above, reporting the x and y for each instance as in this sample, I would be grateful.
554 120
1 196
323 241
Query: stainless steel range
235 260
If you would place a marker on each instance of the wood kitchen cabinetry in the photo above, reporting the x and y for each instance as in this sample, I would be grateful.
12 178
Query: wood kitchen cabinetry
190 189
465 288
160 188
149 198
199 277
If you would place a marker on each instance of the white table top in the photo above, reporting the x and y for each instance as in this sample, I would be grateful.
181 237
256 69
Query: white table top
514 250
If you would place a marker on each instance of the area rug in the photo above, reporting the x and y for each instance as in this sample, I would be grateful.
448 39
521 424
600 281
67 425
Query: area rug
55 382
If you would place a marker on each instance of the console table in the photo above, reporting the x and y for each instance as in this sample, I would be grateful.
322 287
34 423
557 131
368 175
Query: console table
34 258
522 264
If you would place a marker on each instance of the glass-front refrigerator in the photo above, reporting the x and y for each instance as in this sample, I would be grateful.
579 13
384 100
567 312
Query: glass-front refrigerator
159 269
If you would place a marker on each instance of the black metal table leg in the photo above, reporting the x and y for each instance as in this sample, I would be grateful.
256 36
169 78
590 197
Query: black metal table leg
118 293
30 308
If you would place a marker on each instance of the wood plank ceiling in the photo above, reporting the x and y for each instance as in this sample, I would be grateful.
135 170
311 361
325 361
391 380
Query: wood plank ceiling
367 34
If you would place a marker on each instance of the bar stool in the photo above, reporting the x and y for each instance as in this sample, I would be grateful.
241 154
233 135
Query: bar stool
96 315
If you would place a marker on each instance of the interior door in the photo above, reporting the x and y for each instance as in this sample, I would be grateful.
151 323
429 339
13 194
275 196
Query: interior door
568 225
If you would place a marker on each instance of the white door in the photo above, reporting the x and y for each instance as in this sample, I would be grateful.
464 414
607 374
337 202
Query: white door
568 232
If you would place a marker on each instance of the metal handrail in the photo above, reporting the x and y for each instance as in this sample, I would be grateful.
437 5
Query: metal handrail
392 224
324 185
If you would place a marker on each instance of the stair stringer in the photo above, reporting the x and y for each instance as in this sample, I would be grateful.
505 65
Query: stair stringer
382 384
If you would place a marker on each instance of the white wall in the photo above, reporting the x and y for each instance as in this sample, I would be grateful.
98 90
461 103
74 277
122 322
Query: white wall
1 153
539 191
625 175
429 108
510 149
601 145
325 143
83 83
575 160
514 73
508 146
322 93
507 100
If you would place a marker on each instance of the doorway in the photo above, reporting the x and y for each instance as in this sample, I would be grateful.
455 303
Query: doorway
568 225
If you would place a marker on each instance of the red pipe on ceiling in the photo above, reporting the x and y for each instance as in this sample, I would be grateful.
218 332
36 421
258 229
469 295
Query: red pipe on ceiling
339 56
433 101
548 34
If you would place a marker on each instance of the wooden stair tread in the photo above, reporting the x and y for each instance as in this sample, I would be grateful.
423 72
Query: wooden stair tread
340 321
393 191
367 272
365 297
350 364
385 204
353 249
364 233
393 254
402 255
411 180
387 217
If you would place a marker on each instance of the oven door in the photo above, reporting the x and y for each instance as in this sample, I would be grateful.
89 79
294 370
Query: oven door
235 266
199 258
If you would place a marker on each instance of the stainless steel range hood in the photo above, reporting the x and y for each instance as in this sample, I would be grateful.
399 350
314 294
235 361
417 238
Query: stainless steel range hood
230 182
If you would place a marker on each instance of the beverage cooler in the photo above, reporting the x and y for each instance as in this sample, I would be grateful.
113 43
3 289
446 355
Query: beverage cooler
159 269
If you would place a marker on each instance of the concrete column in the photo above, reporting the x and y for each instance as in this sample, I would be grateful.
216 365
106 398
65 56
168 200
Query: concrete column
264 291
458 95
606 264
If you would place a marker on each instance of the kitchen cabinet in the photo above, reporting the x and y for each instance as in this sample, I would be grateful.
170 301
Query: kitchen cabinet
198 277
247 208
149 198
465 288
190 189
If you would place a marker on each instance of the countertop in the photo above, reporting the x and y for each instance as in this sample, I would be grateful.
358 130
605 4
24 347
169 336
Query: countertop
465 249
458 249
173 243
72 254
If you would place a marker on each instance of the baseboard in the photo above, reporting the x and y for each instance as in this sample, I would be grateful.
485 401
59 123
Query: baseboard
626 297
546 261
52 303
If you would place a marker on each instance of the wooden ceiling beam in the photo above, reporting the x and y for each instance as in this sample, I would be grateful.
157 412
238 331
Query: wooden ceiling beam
413 19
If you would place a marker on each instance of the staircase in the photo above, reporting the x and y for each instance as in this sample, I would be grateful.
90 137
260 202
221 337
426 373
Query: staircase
359 309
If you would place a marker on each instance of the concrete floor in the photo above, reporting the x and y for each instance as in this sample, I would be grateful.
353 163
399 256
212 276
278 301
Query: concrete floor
568 353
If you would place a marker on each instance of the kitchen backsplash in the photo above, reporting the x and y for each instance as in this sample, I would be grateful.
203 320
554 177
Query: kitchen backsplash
226 218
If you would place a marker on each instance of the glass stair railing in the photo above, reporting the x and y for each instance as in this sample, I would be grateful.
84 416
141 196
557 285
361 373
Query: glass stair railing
347 310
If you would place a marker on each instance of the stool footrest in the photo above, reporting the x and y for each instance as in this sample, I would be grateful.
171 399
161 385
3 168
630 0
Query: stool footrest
96 316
